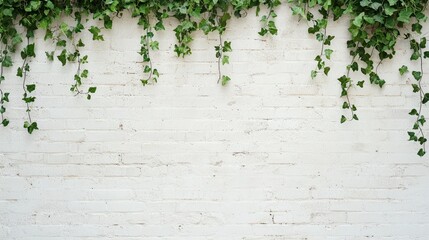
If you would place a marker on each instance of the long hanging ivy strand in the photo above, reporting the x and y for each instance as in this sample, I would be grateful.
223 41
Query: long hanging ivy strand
375 27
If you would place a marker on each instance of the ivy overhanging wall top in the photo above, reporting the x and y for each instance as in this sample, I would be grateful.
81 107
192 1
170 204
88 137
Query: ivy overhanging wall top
375 26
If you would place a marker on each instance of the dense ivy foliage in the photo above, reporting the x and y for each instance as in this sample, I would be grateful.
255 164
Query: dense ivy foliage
375 27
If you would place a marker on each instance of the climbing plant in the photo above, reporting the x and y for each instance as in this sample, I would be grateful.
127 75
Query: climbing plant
375 27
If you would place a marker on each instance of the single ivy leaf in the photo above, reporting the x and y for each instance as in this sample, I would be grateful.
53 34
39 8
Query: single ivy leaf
5 97
159 26
343 119
50 55
328 53
405 15
416 27
61 43
63 57
31 87
326 70
225 60
417 75
411 135
413 112
389 11
422 120
313 74
225 80
227 46
360 83
403 70
107 22
425 98
358 20
19 72
80 43
30 50
7 61
84 73
421 152
29 99
92 89
5 122
96 33
392 2
8 12
296 10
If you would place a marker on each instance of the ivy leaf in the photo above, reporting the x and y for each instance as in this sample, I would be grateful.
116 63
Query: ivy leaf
328 53
227 46
425 98
417 75
7 61
5 122
413 112
358 20
5 97
360 83
225 60
107 22
416 87
50 56
389 11
421 152
343 119
31 87
8 12
403 70
326 70
61 43
30 126
392 2
412 136
159 26
84 73
92 89
19 72
225 80
313 74
96 33
296 10
404 15
63 57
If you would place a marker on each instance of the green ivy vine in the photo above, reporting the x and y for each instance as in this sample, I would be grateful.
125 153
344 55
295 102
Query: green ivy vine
375 27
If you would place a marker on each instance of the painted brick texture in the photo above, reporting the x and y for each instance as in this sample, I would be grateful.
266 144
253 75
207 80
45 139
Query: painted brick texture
263 158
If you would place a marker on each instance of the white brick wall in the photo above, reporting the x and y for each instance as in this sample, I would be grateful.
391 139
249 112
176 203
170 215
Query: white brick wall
262 158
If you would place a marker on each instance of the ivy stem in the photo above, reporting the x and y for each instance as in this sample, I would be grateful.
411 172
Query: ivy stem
24 80
79 62
219 59
1 77
350 85
148 49
421 95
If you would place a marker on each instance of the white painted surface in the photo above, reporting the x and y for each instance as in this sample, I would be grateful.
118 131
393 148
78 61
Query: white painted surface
262 158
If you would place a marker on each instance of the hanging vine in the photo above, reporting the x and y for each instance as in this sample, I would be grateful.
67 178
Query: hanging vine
375 27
